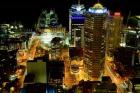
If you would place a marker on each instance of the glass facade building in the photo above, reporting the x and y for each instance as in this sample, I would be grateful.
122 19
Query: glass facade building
95 40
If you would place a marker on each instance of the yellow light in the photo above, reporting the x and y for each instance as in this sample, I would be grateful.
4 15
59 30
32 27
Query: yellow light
12 89
117 14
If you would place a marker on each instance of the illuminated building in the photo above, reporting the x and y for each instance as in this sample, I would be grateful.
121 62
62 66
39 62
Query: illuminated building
76 25
12 37
94 40
131 38
49 27
8 65
47 19
52 34
114 29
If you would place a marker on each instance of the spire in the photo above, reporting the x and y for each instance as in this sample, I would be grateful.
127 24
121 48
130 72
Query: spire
78 2
128 18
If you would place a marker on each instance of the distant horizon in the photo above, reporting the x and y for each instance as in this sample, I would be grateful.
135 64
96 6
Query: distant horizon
28 12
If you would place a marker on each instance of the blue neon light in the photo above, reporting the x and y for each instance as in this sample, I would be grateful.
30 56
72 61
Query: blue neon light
77 17
98 11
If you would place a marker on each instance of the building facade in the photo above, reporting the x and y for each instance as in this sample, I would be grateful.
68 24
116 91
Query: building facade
131 38
95 40
13 37
114 30
76 25
47 19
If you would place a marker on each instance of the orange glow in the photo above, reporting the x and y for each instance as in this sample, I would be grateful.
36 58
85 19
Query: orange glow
117 14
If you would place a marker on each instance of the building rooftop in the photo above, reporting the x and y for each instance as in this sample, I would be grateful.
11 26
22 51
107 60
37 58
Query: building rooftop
98 9
98 6
138 17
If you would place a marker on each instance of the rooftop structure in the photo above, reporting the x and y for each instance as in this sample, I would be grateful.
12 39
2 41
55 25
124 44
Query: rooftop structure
47 19
98 9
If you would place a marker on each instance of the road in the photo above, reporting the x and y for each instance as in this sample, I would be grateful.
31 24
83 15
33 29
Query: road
121 88
23 56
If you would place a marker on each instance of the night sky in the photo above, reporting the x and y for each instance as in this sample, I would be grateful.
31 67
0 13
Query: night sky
28 11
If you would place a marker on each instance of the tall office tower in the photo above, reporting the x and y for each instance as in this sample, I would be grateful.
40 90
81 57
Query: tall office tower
76 25
114 28
95 40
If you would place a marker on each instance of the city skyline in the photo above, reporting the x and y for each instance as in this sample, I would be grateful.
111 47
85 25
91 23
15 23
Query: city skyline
28 12
61 47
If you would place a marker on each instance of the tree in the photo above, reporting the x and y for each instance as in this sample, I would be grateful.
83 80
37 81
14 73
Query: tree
57 42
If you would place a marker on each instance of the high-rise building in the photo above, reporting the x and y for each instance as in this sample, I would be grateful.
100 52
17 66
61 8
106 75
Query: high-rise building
76 25
131 37
95 40
114 28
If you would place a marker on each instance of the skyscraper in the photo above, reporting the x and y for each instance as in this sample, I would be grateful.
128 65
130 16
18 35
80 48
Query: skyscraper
94 40
76 24
114 30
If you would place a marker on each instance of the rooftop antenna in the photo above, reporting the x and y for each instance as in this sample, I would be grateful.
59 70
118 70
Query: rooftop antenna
78 2
128 18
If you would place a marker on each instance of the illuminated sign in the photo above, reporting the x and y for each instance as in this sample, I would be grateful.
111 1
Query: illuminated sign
98 11
117 14
77 17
